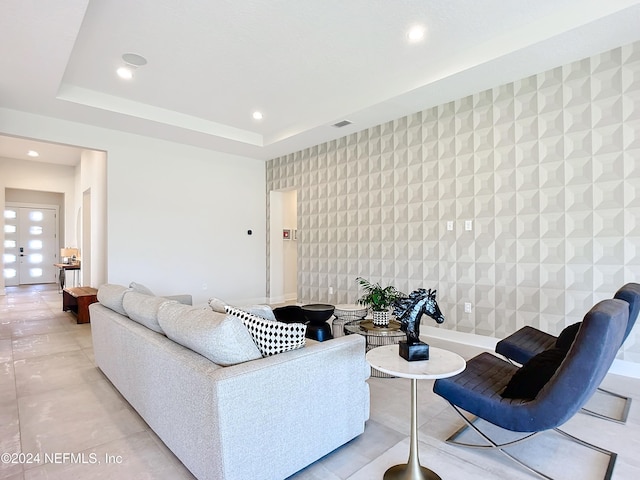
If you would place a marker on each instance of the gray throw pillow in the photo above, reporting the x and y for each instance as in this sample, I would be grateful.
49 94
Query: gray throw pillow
111 296
221 338
217 305
263 311
143 309
139 288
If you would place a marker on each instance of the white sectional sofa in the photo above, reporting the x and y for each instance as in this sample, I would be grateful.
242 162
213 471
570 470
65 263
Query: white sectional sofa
264 419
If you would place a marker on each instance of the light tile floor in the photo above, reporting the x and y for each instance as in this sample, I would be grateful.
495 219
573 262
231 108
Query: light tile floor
54 400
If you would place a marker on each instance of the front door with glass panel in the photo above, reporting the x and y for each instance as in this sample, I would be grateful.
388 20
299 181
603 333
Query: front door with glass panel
30 245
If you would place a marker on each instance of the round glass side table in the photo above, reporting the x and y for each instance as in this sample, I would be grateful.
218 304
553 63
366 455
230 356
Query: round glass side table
376 337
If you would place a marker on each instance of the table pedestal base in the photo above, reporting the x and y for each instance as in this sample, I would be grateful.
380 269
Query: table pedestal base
406 472
412 470
319 331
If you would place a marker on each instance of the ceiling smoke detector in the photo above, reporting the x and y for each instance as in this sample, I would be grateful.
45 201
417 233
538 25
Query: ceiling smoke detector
342 123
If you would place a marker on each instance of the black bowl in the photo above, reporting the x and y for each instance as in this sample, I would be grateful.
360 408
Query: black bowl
317 312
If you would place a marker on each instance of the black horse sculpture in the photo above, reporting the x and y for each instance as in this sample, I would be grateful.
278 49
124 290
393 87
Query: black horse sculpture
408 311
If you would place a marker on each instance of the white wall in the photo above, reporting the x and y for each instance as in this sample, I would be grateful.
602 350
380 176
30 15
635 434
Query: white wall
276 248
290 247
177 216
93 168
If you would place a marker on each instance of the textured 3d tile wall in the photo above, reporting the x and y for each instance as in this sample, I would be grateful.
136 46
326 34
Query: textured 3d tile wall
547 169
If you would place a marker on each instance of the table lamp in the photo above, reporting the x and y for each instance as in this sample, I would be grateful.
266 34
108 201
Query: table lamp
69 255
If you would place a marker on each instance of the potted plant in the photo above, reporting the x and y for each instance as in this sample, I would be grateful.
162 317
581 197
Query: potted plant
379 300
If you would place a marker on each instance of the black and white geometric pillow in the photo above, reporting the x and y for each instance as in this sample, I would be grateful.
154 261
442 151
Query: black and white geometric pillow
271 336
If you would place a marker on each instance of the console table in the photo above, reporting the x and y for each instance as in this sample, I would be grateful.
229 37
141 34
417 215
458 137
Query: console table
441 364
63 267
77 300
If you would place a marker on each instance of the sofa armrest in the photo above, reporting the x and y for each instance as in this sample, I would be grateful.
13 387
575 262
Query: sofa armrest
292 408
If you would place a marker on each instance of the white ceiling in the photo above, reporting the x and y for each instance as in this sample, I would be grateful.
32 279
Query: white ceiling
306 64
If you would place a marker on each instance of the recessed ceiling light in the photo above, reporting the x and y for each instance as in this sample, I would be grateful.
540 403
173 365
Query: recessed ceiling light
132 61
257 115
416 33
33 153
125 72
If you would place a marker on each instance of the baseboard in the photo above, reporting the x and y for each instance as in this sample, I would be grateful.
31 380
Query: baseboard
619 367
475 340
276 300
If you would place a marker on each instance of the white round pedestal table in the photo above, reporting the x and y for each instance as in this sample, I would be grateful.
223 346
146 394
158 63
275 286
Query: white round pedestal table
441 364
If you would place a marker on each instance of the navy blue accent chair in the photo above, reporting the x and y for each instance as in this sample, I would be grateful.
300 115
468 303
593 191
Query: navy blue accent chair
527 342
477 390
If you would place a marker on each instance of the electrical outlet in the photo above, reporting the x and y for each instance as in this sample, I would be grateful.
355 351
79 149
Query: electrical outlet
450 226
467 307
468 225
330 290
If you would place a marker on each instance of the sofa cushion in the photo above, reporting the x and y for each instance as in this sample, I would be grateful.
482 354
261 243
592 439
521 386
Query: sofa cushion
271 336
144 309
139 288
111 296
221 338
182 298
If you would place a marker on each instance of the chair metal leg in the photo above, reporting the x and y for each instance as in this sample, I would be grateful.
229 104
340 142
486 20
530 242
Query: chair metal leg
625 412
500 446
612 455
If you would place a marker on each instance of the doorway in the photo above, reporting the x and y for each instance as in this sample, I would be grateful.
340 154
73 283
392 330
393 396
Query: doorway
283 246
30 244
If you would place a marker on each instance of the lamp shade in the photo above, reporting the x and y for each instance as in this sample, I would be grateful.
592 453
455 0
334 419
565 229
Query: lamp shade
68 252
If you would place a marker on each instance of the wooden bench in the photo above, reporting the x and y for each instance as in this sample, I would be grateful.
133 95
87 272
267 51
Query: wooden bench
77 300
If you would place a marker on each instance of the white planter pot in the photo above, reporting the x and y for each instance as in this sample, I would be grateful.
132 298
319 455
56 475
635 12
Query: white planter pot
381 319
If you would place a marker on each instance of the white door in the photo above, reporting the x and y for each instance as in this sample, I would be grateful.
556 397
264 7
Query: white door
30 245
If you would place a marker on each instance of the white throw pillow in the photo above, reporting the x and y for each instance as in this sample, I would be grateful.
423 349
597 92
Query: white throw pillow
270 336
111 296
144 309
221 338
